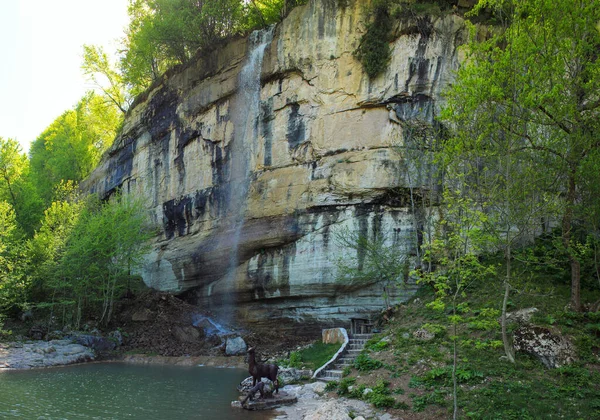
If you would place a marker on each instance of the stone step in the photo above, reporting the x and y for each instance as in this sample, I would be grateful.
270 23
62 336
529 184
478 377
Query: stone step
333 374
353 353
361 336
355 346
326 379
342 366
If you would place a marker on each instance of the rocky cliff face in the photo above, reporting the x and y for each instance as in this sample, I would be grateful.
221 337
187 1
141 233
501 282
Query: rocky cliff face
255 158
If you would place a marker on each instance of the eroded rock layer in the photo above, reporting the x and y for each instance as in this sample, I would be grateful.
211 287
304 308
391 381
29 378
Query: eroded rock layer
255 159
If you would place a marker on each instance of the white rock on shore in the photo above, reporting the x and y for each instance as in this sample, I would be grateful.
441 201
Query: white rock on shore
312 405
36 354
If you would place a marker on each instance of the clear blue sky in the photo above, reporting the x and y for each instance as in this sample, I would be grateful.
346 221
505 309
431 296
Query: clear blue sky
40 51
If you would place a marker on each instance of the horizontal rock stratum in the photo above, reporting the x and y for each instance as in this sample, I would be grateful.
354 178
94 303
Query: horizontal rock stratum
255 158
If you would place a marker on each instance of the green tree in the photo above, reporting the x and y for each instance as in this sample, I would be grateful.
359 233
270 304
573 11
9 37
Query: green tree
12 164
102 251
99 69
47 247
163 33
70 148
17 187
461 238
14 283
543 71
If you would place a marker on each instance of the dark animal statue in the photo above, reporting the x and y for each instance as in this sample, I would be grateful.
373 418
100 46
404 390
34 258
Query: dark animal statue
260 387
259 370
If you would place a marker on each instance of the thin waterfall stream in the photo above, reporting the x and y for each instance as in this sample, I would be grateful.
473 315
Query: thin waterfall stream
246 106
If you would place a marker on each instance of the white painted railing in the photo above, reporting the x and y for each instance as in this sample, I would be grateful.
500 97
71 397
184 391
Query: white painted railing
335 356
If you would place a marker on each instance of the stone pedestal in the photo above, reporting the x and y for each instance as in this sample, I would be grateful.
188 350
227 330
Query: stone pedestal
277 400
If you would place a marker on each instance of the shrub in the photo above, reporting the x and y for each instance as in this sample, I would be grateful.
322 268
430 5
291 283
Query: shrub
377 345
374 50
380 397
331 386
295 360
344 384
364 363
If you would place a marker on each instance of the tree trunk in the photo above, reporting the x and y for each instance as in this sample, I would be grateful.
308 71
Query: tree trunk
454 364
507 345
567 223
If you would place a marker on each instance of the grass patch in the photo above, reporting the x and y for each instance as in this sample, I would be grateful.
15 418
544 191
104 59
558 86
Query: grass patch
312 357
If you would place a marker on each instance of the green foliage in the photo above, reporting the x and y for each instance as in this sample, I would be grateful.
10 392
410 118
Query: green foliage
100 71
377 344
344 384
444 375
364 363
346 371
163 33
486 320
420 402
312 357
381 400
14 283
535 108
101 253
437 329
16 186
331 386
295 360
374 50
71 146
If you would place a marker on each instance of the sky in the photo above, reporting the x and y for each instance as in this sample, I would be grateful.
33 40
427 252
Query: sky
41 49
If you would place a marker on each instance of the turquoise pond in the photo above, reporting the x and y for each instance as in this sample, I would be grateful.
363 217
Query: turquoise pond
123 391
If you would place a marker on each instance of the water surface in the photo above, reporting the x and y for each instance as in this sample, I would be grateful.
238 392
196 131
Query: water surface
123 391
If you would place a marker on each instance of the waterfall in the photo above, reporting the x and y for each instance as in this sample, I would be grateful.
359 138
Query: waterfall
246 106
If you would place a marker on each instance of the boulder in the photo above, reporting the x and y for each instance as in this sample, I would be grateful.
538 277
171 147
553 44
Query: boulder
187 334
235 346
329 410
423 335
117 337
333 336
551 348
142 315
520 317
98 343
36 332
293 375
317 387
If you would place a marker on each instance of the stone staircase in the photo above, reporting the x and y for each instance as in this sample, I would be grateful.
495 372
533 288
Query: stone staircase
356 343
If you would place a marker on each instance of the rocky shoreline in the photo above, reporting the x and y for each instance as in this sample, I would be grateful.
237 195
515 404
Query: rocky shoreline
40 354
315 404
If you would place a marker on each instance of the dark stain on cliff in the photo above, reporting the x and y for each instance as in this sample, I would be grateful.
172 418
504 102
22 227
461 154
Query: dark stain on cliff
177 216
419 65
120 167
219 159
160 116
185 136
266 118
326 24
272 274
296 131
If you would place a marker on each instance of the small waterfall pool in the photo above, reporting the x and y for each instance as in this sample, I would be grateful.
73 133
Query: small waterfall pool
123 391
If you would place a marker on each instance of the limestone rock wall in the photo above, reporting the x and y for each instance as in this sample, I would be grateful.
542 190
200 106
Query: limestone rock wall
254 159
